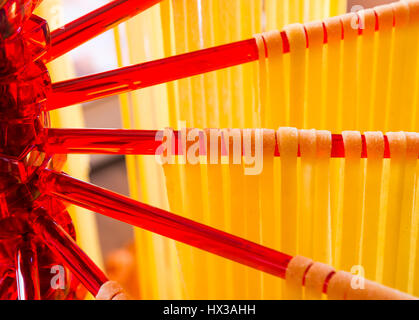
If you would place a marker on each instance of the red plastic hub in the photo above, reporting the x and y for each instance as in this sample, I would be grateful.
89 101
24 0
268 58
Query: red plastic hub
26 263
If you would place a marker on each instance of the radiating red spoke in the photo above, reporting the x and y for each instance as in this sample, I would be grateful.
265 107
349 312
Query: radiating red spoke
27 273
94 23
101 141
164 223
8 287
147 74
58 240
143 142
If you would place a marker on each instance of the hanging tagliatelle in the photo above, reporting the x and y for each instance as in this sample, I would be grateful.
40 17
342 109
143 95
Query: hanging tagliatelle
225 98
325 82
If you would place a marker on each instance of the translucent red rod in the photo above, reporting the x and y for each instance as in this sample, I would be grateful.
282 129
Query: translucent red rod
143 142
8 287
94 23
58 240
27 273
101 141
164 223
147 74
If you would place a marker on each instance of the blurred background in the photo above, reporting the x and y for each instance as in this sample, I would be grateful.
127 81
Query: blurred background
109 171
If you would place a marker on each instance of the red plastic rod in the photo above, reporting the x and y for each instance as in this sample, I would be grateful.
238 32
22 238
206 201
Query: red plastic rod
58 240
101 141
27 274
94 23
143 142
8 287
147 74
164 223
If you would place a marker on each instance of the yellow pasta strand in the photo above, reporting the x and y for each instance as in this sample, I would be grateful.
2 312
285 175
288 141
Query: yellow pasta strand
288 145
352 202
397 142
381 95
333 74
414 286
275 115
349 71
405 241
409 113
220 270
372 204
235 210
322 237
399 70
308 149
268 211
297 39
315 35
367 69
